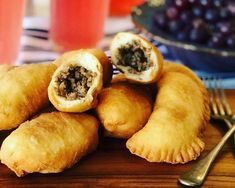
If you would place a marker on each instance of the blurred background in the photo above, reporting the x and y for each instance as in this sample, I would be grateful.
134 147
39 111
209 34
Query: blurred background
38 45
197 33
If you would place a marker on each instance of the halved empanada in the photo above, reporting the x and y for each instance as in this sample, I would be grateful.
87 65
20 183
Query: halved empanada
78 79
137 58
181 111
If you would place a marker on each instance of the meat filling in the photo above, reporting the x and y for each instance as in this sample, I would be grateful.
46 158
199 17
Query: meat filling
133 55
74 82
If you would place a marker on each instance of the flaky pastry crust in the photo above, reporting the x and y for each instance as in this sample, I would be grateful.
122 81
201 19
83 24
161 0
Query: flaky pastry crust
49 143
153 59
91 59
23 92
123 108
181 112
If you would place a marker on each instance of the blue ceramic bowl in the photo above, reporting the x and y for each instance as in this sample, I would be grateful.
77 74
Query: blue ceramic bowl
195 56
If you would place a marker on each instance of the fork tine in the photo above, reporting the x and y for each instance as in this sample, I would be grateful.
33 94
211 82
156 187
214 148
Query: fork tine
225 103
209 86
218 99
218 96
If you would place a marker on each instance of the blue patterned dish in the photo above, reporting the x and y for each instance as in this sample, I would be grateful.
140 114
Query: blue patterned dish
195 56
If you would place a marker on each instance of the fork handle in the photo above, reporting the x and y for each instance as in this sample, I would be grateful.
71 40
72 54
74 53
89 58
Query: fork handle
229 125
197 174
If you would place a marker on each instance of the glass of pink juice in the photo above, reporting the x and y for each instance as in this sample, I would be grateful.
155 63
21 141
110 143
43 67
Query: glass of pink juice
11 16
77 23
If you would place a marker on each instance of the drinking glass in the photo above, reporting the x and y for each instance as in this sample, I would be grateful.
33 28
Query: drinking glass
11 16
77 23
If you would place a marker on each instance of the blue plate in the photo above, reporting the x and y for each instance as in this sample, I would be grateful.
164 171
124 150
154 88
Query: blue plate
195 56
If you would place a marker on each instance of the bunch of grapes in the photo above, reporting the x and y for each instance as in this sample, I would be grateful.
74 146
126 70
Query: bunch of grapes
208 22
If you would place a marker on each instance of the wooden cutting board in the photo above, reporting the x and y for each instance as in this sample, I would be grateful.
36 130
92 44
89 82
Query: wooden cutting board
113 166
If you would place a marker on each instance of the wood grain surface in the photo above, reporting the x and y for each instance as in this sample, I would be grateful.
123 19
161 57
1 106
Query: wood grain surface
113 166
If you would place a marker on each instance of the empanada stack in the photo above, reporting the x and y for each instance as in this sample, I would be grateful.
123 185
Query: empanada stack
167 130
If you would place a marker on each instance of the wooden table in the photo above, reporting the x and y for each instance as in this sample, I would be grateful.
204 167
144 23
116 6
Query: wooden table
113 166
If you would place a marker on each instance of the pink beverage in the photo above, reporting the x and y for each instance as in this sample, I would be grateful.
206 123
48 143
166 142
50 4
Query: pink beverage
77 23
11 16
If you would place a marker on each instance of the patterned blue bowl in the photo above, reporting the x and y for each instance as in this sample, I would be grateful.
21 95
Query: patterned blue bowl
195 56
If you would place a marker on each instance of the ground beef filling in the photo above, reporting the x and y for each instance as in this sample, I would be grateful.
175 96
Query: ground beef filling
74 82
133 55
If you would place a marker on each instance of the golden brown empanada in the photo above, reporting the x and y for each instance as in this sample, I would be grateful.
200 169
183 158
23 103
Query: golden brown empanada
99 54
181 111
123 108
49 143
23 92
4 68
79 78
136 57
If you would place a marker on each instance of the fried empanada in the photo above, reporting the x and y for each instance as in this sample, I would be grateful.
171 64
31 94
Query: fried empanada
49 143
136 57
174 129
123 108
4 68
23 92
79 78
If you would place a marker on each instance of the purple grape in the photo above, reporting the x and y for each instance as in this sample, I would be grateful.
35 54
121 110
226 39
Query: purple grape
211 15
224 13
225 28
210 22
212 28
219 3
231 42
193 1
198 23
184 35
199 35
172 13
182 4
206 3
218 25
186 16
174 26
216 41
160 20
198 11
231 7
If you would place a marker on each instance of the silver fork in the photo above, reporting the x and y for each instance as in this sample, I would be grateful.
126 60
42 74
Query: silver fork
219 105
220 109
